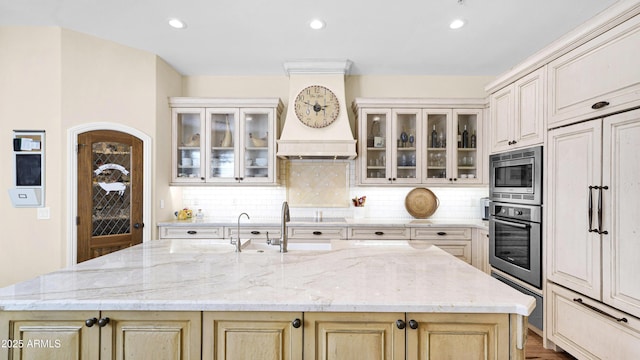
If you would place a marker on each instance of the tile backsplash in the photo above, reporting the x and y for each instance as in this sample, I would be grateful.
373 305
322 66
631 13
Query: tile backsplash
382 202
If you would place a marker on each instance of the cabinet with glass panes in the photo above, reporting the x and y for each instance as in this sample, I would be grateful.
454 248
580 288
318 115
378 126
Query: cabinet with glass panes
391 153
419 141
225 141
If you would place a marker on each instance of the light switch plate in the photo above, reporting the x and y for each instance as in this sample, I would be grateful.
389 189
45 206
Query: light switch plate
44 213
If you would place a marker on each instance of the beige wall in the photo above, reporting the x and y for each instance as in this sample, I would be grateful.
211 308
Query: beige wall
30 100
54 80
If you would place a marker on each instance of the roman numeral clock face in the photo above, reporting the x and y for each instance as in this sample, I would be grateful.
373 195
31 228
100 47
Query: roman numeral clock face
316 106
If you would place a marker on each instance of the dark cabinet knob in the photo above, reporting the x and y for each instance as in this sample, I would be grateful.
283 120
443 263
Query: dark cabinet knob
255 232
296 323
192 232
389 179
413 324
137 225
379 233
441 233
103 321
394 179
202 178
401 324
90 322
317 233
599 105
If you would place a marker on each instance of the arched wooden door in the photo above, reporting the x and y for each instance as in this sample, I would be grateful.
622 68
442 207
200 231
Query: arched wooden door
110 174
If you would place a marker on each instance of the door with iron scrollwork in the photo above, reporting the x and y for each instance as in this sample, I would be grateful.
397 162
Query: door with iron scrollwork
110 170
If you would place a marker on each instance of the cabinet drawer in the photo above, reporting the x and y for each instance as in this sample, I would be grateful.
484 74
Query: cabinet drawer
304 232
434 233
252 233
604 69
587 333
386 233
183 232
458 248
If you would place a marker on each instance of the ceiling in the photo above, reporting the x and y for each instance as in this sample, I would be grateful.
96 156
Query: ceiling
381 37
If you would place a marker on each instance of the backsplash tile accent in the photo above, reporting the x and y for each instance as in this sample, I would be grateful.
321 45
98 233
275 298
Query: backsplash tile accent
312 184
382 202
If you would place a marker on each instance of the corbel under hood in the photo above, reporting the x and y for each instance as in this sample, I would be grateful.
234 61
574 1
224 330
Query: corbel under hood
298 141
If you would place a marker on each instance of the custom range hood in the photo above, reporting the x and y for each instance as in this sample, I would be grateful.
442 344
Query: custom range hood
315 131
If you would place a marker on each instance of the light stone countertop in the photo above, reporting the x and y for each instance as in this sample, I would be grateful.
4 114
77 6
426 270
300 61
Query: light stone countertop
206 275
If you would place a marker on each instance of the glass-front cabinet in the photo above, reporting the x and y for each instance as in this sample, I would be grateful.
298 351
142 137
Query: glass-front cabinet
222 144
392 152
419 141
454 147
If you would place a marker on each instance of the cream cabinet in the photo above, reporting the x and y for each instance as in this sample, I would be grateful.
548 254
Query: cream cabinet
391 146
83 335
592 212
224 141
252 335
597 78
463 336
191 232
420 141
323 232
454 146
480 250
334 336
379 233
457 241
518 113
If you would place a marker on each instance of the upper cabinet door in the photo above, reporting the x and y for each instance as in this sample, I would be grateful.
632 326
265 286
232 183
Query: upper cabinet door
257 146
407 143
517 113
441 139
375 148
188 145
467 158
223 143
599 77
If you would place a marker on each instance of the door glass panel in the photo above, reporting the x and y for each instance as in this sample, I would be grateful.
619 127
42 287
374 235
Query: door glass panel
467 153
406 154
513 244
111 188
437 146
223 159
189 164
256 140
376 146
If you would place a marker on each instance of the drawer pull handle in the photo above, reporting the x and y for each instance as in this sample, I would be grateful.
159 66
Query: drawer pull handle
379 232
192 232
599 105
317 233
442 233
255 232
579 301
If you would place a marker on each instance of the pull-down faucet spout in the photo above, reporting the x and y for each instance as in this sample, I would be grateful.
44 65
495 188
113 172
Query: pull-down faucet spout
285 217
238 242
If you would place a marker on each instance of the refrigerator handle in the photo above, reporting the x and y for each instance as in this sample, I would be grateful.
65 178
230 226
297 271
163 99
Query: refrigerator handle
600 231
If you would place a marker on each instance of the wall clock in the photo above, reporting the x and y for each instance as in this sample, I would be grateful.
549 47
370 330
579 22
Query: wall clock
316 106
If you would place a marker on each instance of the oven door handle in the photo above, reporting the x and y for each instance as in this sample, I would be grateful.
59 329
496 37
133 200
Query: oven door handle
515 224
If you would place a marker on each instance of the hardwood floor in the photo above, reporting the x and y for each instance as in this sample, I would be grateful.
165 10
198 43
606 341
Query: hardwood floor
535 350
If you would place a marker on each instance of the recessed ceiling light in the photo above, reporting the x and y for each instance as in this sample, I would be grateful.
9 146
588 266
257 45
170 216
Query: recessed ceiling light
316 24
456 24
177 23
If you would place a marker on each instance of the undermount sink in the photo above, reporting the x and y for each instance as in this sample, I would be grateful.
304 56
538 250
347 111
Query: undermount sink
262 246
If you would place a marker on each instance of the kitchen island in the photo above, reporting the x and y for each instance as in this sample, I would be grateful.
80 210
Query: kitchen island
196 298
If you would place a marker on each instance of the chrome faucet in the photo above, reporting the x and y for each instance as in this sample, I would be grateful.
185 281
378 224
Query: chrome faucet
238 242
284 240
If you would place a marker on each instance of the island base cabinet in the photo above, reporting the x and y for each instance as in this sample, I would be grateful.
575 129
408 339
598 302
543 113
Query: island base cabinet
252 335
48 335
335 336
589 329
157 335
122 335
460 336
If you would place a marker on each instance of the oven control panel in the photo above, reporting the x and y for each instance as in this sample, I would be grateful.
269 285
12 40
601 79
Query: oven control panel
516 211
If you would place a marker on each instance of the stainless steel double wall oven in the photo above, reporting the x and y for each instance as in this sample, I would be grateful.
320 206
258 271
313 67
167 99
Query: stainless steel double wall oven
515 221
